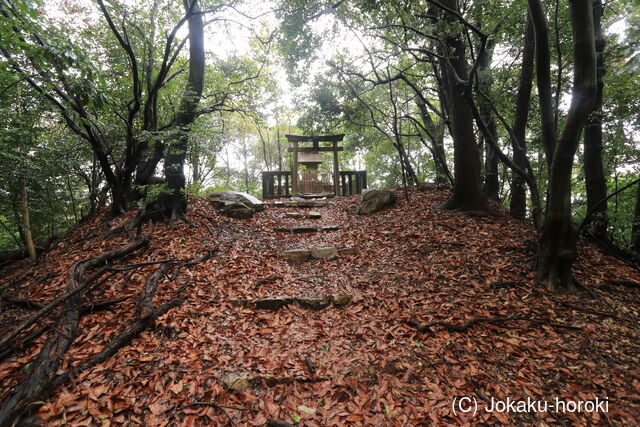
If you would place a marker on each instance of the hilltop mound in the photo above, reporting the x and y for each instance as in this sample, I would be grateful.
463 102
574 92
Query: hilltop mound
216 357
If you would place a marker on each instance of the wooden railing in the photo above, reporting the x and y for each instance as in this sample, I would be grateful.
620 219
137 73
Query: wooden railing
352 182
277 184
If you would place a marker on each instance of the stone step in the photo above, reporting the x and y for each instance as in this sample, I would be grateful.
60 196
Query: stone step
300 255
302 215
300 229
305 204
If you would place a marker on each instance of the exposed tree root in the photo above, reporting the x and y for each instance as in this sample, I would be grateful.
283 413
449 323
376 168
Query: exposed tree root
37 381
587 309
74 286
476 320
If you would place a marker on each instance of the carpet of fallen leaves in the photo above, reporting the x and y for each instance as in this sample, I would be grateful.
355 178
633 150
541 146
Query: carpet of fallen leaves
360 364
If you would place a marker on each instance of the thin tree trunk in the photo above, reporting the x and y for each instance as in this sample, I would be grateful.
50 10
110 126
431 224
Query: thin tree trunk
593 169
491 185
635 231
518 205
557 246
26 222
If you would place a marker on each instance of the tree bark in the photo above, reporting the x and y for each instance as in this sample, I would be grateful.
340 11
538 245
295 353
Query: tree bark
543 77
176 203
557 246
635 232
593 169
518 204
467 189
491 185
26 222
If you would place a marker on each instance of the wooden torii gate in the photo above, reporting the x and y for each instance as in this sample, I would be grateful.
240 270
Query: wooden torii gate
295 149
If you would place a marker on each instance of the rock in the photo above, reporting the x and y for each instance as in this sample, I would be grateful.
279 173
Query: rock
340 300
297 255
304 204
315 215
236 204
296 215
237 210
298 229
330 228
237 381
313 303
273 304
326 252
374 200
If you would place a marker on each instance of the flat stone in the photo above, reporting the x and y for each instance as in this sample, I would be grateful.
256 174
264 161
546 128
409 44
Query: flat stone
297 255
326 252
315 215
296 215
272 304
314 303
237 381
298 229
305 204
330 228
340 300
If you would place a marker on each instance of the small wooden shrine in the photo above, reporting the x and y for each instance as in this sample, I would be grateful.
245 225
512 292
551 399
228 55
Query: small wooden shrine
303 179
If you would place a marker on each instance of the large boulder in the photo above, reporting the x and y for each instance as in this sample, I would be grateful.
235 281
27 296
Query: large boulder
236 204
374 200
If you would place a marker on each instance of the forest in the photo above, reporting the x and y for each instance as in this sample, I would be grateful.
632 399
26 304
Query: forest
152 271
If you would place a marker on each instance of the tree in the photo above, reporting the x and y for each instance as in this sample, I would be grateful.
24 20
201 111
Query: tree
557 245
593 165
176 204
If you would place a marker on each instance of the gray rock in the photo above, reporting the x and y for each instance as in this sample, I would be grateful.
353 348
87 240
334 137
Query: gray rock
304 204
297 255
326 252
237 210
315 215
296 215
374 200
220 199
298 229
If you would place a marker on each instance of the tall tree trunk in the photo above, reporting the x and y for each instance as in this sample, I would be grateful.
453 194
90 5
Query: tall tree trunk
491 185
176 204
593 169
26 222
518 205
467 188
635 231
543 77
557 246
